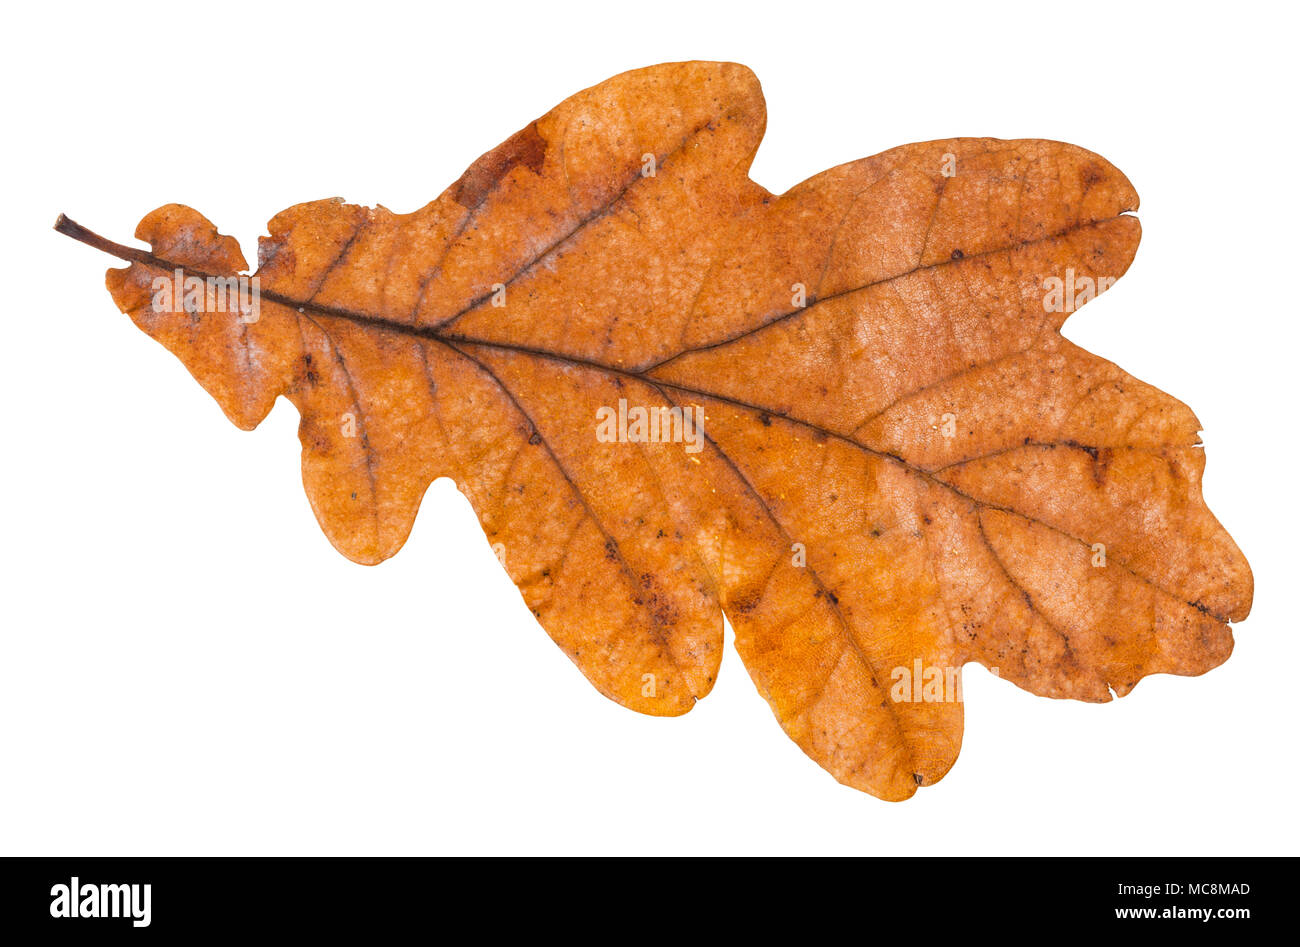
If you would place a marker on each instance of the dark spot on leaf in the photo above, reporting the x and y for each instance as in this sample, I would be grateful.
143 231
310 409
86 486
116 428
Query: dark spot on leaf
526 147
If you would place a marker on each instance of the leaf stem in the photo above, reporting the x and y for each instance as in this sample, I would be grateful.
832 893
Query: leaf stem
70 228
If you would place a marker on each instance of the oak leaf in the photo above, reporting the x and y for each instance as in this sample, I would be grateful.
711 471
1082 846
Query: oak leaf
899 466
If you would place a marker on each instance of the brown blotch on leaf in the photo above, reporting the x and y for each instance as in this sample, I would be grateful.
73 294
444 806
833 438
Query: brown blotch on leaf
525 147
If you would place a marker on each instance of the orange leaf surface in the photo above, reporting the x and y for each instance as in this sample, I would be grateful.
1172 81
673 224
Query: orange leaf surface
843 416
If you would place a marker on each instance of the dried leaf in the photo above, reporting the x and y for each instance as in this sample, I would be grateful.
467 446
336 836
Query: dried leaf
901 465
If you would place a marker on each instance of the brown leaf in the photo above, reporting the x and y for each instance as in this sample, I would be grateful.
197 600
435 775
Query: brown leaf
902 465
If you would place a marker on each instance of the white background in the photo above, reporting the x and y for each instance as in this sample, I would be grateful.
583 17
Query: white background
188 667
